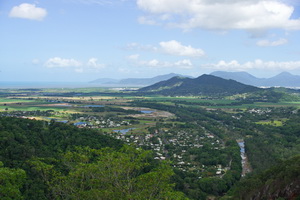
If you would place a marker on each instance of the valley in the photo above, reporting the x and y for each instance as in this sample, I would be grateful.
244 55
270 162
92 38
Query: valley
211 142
150 100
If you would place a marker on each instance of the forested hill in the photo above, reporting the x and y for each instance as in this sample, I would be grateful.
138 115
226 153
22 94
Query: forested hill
22 139
40 161
282 181
203 85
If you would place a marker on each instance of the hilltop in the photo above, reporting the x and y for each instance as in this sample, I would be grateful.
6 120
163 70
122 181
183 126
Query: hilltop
284 79
203 85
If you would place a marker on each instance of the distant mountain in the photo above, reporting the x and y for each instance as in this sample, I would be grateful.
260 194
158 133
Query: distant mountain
203 85
148 81
137 81
284 79
163 85
242 77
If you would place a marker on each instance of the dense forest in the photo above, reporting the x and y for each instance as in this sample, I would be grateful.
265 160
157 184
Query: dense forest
203 85
267 146
59 161
278 182
53 160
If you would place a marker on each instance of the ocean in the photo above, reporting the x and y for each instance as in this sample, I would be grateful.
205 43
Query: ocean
24 85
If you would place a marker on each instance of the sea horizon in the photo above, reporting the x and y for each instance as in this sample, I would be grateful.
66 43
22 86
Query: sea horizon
46 84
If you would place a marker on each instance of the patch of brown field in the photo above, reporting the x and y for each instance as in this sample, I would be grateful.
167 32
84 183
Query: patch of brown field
55 105
85 99
155 114
137 108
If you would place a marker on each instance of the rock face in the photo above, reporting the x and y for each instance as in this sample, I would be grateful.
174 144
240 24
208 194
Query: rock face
288 192
280 182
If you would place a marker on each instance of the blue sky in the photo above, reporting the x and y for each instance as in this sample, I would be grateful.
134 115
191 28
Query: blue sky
82 40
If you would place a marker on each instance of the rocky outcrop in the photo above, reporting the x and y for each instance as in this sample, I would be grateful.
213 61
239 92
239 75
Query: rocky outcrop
278 190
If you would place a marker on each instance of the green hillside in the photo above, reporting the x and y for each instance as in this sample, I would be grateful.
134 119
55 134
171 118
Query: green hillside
282 181
57 161
203 85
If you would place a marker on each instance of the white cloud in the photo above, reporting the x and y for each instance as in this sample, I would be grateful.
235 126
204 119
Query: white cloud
172 47
267 43
134 57
256 64
154 63
93 63
221 14
177 49
186 64
62 62
28 11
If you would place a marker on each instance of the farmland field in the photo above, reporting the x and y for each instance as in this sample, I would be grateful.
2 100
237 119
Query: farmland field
198 135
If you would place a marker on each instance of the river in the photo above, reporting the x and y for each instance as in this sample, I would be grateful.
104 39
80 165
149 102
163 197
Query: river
123 131
245 162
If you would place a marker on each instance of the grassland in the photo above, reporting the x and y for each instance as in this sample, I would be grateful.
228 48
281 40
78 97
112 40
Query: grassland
182 134
64 102
272 123
28 103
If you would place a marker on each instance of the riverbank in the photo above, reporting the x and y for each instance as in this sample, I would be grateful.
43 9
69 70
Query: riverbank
245 162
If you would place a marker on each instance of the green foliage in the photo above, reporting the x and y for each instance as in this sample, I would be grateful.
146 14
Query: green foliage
278 182
64 162
203 85
21 139
114 109
273 144
11 182
35 146
110 174
58 161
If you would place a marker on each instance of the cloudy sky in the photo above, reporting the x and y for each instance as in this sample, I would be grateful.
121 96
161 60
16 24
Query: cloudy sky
82 40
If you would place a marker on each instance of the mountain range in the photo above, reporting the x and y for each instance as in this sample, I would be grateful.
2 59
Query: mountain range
284 79
135 81
203 85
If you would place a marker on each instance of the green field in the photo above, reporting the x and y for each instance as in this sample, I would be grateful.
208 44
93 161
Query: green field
198 135
272 123
9 100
